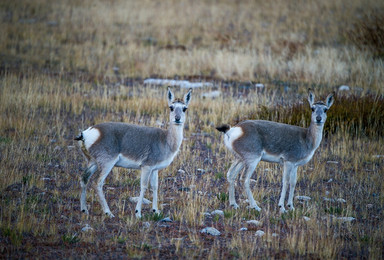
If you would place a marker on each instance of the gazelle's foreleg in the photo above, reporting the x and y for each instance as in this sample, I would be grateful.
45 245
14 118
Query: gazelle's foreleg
288 167
144 179
292 184
231 177
249 171
154 180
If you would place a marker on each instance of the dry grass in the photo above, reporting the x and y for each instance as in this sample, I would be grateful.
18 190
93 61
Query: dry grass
57 77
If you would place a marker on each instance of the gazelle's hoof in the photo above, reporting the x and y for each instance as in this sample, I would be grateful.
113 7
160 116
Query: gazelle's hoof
234 206
138 214
282 209
290 207
85 211
254 207
156 211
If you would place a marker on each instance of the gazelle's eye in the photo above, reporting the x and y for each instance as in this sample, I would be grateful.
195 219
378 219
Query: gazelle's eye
185 109
313 109
171 108
325 110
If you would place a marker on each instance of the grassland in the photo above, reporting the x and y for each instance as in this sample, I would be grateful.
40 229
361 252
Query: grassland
65 65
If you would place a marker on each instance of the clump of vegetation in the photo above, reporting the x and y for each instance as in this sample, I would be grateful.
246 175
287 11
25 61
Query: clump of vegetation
368 33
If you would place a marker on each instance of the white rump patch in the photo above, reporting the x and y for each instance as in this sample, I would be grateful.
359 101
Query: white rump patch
90 136
233 134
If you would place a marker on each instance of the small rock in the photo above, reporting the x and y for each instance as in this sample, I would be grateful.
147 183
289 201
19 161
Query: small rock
136 199
86 228
211 231
330 180
303 198
146 224
254 222
167 219
341 200
332 162
259 233
259 85
180 171
344 88
243 229
346 219
306 218
200 171
212 94
218 212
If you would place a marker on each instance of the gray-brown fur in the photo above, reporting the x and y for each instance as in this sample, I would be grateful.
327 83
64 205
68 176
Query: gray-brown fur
150 149
253 141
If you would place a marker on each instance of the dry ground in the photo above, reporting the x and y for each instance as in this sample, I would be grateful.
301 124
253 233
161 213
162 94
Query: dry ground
68 65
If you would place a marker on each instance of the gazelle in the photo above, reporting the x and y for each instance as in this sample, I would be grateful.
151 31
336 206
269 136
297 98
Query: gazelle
253 141
150 149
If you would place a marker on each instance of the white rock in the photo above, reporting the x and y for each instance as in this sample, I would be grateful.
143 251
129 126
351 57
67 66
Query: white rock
303 198
341 200
167 219
243 229
218 212
87 228
344 88
306 218
259 233
254 222
346 219
180 83
211 231
136 199
212 94
259 85
201 171
146 224
332 162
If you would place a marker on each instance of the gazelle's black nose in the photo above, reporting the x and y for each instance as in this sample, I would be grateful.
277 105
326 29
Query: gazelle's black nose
318 119
177 118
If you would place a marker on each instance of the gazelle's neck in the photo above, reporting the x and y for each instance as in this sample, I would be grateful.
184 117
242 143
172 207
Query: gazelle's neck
175 136
314 135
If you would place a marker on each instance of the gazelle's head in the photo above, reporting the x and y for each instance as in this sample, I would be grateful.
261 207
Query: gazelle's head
178 107
319 108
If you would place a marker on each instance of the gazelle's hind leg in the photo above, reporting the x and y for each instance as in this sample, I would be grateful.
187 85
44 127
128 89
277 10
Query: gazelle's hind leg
231 177
105 170
292 185
154 179
250 169
288 167
84 182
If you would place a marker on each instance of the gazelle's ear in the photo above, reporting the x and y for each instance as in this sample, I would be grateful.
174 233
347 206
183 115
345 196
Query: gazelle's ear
187 97
311 97
170 97
329 100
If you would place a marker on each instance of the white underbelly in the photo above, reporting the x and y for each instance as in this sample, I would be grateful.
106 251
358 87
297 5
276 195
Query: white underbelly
127 163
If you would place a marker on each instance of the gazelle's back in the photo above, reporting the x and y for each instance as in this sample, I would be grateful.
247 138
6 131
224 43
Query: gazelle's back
274 139
132 141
